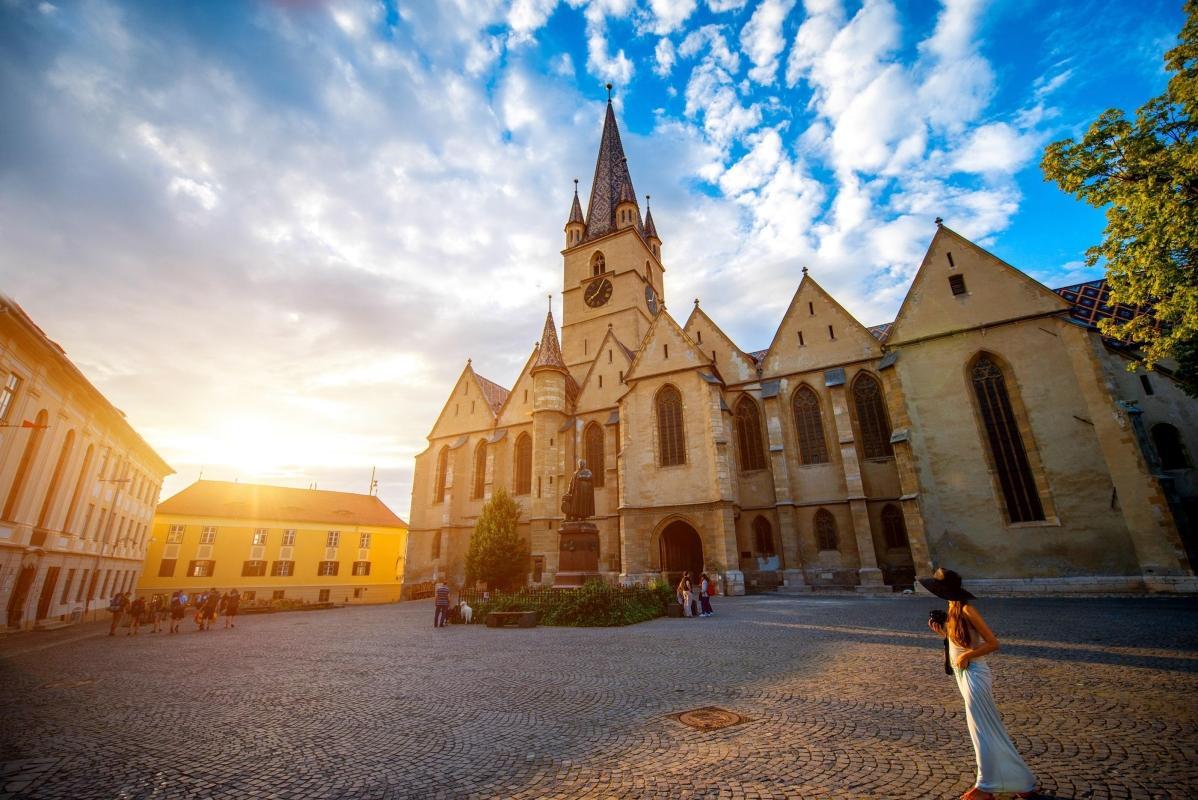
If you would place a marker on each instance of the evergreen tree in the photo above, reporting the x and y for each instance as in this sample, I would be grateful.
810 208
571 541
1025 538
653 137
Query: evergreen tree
1144 172
497 554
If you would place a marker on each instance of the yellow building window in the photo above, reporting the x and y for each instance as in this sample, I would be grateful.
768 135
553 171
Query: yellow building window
364 541
208 536
174 535
289 537
282 569
201 569
253 569
328 568
260 536
333 539
361 568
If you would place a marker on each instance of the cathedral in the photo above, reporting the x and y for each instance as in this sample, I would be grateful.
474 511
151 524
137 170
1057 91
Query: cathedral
989 429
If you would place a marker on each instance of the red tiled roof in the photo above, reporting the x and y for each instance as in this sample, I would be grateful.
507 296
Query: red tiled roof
493 393
549 352
259 502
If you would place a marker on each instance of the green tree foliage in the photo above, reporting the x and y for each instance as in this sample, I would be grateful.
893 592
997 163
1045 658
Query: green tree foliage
1144 172
497 554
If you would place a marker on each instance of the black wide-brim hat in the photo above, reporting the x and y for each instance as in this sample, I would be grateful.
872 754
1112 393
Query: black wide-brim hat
946 584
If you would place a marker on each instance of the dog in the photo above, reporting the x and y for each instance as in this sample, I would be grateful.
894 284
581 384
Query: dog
466 611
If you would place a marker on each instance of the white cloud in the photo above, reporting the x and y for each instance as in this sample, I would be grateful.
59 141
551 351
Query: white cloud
995 148
720 6
526 17
762 38
668 15
562 65
664 57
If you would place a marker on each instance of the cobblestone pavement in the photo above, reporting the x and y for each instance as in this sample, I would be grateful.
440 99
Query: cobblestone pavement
846 698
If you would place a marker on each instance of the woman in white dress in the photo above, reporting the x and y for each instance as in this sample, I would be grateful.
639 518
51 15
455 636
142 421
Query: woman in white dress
1000 768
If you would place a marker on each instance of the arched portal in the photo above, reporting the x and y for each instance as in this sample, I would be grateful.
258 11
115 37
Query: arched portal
681 551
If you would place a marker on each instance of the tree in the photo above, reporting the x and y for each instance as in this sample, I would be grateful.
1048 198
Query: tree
1144 172
497 554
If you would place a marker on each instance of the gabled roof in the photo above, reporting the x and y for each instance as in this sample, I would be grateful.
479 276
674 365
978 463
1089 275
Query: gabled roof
253 501
701 360
880 332
611 176
1091 303
493 393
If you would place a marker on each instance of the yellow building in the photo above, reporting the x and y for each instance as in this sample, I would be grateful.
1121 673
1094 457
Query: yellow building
276 543
78 485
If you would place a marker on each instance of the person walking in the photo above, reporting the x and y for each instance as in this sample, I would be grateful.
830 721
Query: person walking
208 611
178 609
969 640
440 604
705 590
116 607
137 610
684 593
157 612
232 603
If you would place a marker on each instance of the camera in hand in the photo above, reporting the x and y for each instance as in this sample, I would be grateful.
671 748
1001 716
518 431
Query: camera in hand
938 616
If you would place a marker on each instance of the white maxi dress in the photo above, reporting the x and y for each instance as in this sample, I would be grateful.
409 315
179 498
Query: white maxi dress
1000 768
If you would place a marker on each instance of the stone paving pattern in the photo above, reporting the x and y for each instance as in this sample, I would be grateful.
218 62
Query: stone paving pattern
847 699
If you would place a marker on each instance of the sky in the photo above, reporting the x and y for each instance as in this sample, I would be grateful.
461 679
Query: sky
273 232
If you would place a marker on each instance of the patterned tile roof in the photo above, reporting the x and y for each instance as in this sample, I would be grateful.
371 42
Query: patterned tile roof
575 208
493 393
549 352
1091 303
650 228
260 502
758 355
880 332
611 175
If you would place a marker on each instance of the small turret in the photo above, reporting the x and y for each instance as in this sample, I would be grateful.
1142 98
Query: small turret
627 212
576 225
651 231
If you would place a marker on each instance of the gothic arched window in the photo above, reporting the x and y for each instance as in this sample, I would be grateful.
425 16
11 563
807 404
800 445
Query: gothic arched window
894 530
593 450
1169 448
825 530
872 422
748 435
809 423
68 444
598 263
480 471
763 536
671 436
442 475
1007 452
32 445
523 482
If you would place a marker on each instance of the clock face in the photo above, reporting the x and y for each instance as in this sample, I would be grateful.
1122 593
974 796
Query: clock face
597 292
651 300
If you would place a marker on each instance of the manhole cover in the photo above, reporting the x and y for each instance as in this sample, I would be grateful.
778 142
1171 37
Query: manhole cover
710 718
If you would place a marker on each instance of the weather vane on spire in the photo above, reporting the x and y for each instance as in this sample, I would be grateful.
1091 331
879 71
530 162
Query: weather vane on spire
609 92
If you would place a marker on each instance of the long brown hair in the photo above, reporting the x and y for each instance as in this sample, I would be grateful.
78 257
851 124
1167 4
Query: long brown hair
958 626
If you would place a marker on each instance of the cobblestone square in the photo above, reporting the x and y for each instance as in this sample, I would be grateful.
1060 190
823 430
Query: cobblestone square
845 698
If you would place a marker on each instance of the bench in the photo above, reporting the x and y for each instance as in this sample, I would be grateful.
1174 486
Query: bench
523 619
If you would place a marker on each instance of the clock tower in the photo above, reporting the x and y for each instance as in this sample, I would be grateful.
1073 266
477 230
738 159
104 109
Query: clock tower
613 276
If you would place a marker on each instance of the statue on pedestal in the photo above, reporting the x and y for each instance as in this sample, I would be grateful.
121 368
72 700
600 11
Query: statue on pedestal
579 502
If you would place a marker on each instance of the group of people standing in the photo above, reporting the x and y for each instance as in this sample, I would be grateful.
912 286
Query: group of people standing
158 609
695 599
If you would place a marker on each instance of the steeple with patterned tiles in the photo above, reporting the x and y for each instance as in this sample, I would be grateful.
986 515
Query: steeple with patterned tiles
576 224
549 352
611 181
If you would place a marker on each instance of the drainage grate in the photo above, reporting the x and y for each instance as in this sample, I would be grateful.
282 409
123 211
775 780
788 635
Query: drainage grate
710 718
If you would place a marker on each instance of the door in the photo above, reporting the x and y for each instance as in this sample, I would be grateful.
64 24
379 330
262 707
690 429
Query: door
16 601
47 595
681 550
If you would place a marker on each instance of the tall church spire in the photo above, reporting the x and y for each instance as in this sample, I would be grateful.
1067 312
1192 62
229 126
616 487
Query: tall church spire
611 180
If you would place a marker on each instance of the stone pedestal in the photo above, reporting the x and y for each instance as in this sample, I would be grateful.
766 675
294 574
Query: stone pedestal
578 554
793 581
871 581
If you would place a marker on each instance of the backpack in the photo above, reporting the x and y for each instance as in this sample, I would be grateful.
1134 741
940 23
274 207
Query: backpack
710 588
115 604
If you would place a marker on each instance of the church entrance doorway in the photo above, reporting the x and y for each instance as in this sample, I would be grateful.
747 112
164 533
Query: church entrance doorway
681 551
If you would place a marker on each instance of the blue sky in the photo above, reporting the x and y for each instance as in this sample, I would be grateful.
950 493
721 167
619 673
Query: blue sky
273 232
